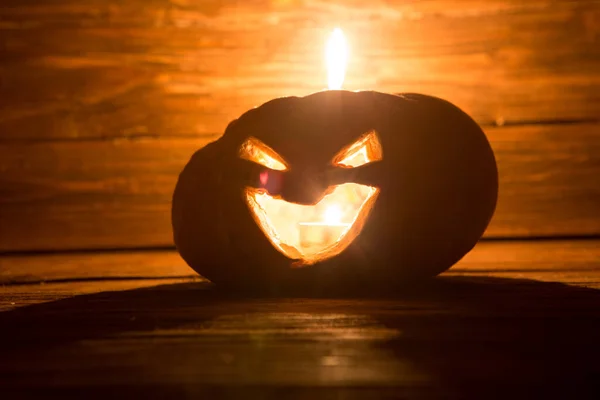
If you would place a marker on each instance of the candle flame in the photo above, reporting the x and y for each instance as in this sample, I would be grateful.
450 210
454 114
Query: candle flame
337 59
311 233
333 215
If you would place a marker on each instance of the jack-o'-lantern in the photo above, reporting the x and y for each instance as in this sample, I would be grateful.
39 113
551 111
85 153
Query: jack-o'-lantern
334 187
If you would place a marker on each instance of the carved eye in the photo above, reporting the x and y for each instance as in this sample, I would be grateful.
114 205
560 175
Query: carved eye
365 150
256 151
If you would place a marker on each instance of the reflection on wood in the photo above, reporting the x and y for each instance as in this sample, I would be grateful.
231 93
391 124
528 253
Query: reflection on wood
455 337
93 266
575 263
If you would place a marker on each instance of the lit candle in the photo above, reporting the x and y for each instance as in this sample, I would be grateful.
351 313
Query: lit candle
323 233
312 174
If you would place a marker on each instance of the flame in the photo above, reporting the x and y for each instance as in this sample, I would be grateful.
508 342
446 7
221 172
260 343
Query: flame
332 215
311 233
336 55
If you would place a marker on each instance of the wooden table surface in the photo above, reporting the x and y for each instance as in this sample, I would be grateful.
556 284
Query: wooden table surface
512 320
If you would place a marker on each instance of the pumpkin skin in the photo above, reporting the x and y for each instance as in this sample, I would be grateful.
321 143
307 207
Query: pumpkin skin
438 188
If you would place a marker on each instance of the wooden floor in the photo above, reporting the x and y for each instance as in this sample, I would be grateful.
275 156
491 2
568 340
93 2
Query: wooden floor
512 320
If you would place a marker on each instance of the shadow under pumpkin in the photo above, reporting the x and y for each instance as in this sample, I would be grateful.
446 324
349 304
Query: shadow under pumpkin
452 336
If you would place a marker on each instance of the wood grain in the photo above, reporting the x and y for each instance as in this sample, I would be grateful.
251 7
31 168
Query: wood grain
179 71
473 336
573 262
171 68
59 267
15 296
117 194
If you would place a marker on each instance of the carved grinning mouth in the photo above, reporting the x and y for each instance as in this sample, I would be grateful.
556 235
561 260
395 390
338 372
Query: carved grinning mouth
312 233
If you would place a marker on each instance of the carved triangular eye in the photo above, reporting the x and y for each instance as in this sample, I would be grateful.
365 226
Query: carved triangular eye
256 151
365 150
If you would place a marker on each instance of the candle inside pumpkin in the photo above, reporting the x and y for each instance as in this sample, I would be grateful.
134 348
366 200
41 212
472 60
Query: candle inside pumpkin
313 175
314 235
329 229
325 232
309 232
312 232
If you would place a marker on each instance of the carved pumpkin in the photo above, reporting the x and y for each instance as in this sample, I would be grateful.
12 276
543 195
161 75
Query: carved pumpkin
335 187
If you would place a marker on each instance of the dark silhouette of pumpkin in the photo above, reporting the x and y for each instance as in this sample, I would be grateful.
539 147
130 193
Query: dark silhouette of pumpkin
414 177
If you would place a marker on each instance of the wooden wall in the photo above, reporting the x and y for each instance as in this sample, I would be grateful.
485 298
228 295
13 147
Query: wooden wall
102 102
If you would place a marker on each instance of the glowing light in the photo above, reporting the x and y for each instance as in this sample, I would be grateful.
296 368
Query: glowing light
256 151
311 233
365 150
336 55
332 215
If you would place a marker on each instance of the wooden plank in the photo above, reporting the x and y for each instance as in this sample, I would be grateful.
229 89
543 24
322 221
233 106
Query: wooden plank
89 195
117 194
15 296
148 264
454 338
171 68
548 180
574 262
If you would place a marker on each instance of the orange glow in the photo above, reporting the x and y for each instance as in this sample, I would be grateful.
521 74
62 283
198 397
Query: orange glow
256 151
312 233
365 150
332 215
336 55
